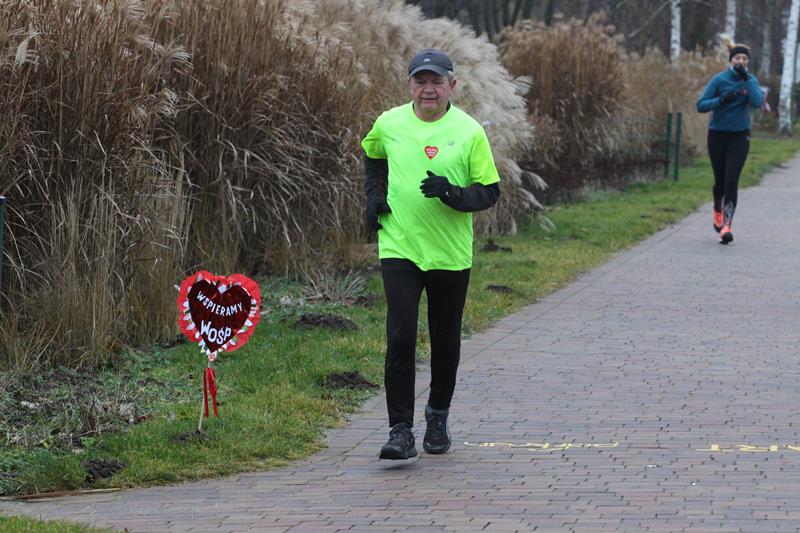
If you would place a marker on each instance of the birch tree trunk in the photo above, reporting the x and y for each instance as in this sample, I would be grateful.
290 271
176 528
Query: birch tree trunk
787 77
675 34
796 61
730 19
766 48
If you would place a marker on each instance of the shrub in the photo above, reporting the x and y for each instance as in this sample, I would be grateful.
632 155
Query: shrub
654 87
264 135
80 97
576 83
600 111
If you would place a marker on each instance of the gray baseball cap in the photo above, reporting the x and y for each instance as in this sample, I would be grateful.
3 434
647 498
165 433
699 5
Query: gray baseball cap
430 59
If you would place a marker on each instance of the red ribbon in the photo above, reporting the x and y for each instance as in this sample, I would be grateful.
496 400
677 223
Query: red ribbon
210 386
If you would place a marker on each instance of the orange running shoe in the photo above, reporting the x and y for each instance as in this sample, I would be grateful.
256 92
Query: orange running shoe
718 221
725 234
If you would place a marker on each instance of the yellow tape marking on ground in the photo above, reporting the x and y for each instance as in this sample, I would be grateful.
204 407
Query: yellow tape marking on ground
749 448
542 446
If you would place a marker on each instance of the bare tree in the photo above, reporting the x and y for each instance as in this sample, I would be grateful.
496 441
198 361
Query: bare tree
787 77
796 63
549 10
761 25
642 22
675 30
730 19
485 16
766 47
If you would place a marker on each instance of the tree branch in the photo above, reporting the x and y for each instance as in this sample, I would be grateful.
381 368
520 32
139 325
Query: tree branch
648 21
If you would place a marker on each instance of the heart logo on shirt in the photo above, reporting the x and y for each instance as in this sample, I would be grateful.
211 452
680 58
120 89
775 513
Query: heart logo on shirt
431 151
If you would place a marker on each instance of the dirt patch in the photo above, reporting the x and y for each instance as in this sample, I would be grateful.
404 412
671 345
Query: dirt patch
491 246
58 408
180 338
313 320
350 380
502 289
101 468
364 300
192 437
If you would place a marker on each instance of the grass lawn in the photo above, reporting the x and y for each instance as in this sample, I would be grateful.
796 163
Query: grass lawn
274 405
16 524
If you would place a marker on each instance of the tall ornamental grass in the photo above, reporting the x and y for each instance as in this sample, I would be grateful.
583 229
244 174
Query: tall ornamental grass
142 140
600 111
89 199
574 96
264 133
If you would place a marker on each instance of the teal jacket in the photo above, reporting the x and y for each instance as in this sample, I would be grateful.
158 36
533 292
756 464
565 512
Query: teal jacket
732 116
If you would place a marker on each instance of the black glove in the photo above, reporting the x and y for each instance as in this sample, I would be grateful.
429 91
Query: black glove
742 72
727 97
373 210
435 186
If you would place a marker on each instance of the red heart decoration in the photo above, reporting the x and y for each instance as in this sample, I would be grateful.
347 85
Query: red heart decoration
431 151
218 312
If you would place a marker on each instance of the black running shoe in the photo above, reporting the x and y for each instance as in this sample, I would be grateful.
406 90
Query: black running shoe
400 444
437 437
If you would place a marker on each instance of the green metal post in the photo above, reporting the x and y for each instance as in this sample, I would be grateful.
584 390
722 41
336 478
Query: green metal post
677 146
667 138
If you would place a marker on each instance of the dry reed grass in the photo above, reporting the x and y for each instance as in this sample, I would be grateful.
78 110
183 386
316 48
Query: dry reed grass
265 126
575 71
598 110
147 138
76 85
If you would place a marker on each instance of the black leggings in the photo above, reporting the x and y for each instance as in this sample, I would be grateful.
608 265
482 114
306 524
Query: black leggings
403 282
728 152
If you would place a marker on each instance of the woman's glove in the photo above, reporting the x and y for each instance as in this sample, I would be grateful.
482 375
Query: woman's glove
727 97
742 72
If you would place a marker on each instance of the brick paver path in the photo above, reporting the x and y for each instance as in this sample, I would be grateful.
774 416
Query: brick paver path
659 392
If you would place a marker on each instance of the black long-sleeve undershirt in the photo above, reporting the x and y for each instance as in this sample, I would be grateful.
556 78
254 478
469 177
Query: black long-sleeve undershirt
476 197
376 179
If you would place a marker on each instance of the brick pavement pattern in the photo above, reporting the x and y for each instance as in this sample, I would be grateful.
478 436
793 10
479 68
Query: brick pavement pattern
658 392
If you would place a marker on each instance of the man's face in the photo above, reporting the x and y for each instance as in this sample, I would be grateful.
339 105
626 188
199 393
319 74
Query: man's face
740 59
430 93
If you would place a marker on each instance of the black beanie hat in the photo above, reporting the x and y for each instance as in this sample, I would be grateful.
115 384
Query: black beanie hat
739 49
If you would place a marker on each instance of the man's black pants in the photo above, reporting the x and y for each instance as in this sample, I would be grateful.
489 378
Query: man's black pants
728 151
403 282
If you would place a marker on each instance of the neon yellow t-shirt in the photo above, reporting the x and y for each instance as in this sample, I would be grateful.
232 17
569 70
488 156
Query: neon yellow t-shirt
425 230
